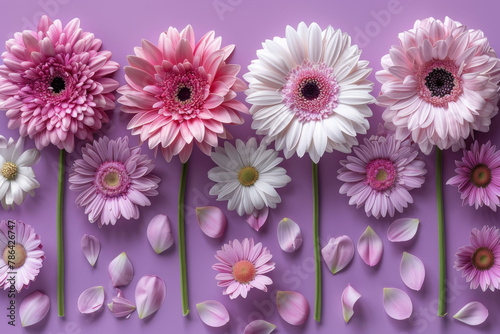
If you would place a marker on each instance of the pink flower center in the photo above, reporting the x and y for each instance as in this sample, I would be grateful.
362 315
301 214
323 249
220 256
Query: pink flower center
112 179
15 256
483 258
244 271
380 174
311 91
481 176
439 82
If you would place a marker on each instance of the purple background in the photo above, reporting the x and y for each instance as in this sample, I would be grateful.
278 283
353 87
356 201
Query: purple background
121 25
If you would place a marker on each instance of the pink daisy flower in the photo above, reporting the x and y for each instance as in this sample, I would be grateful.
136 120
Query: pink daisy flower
113 180
478 176
55 84
439 84
479 260
242 266
182 92
21 257
381 173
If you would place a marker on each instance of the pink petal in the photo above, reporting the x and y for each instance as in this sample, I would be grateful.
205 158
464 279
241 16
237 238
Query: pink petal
257 219
349 297
338 253
397 304
212 221
121 307
259 327
213 313
91 248
289 235
412 271
370 247
34 308
292 307
402 229
91 300
121 270
150 293
472 314
159 234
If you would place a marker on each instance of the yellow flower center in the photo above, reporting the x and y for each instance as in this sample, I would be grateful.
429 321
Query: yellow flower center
9 170
381 175
244 271
15 256
248 176
112 179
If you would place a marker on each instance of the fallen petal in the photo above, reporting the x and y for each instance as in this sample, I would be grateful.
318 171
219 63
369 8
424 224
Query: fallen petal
338 253
402 229
159 234
259 327
150 293
349 297
258 218
370 247
412 271
91 248
121 270
121 307
91 300
34 308
292 307
397 304
212 221
213 313
472 314
289 235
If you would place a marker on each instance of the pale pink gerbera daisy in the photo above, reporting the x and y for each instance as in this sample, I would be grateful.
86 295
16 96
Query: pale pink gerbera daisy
55 84
182 92
478 176
21 257
439 84
479 261
113 180
242 266
381 173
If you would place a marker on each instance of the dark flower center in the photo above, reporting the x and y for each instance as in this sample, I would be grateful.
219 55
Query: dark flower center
58 85
440 82
244 271
183 93
16 256
310 90
481 176
483 258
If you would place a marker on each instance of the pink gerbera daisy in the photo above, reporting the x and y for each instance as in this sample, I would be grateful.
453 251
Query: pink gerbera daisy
55 83
479 260
381 173
113 180
182 92
439 84
478 176
21 255
242 266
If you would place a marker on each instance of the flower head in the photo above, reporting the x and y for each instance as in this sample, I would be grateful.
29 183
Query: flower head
439 84
242 266
55 83
113 180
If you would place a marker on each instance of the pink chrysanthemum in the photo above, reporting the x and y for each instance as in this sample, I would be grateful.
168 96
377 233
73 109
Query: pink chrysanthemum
478 176
21 257
182 92
55 84
479 260
113 180
381 173
439 84
242 266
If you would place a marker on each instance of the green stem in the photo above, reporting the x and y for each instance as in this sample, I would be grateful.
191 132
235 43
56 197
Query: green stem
182 239
441 233
317 258
60 236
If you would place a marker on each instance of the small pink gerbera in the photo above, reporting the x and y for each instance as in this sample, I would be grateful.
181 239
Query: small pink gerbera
113 180
21 255
478 176
55 84
242 266
182 93
381 173
479 260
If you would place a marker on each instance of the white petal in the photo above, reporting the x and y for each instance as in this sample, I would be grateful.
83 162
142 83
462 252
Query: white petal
397 304
91 300
121 270
289 235
402 229
213 313
370 247
412 271
474 313
259 327
349 297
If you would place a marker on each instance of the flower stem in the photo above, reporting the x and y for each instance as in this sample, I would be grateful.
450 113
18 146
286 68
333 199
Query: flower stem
182 239
60 236
441 233
317 259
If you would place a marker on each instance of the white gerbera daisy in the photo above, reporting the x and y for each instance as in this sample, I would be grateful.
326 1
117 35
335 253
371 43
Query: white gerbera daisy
309 91
247 176
16 175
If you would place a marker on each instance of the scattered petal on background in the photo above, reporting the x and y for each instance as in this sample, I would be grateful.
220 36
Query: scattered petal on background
121 270
150 293
259 327
34 308
292 307
91 248
91 300
349 297
212 221
338 253
213 313
397 304
159 234
257 219
412 271
121 307
402 229
289 235
370 247
472 314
